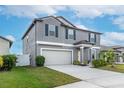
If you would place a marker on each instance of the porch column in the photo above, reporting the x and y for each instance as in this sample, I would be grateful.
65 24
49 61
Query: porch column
81 54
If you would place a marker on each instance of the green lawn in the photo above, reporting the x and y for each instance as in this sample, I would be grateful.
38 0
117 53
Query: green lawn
116 68
34 77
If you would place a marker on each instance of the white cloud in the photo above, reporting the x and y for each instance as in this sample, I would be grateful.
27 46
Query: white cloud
10 37
97 11
112 38
85 11
119 21
30 11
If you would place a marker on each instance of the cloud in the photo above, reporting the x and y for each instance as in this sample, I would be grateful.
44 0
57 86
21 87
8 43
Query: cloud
94 11
10 37
84 11
30 11
119 21
112 38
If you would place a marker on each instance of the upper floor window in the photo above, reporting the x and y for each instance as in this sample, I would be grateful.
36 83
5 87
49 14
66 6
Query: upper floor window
92 37
51 30
70 34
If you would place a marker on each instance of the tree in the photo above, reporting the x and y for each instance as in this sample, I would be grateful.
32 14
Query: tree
110 57
102 55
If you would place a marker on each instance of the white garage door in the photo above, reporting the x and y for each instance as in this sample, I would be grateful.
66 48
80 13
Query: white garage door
57 57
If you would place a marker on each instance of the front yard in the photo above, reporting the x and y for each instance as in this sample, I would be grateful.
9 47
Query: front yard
34 77
116 68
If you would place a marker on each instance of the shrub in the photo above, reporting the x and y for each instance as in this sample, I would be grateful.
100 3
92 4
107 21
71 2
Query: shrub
1 61
98 63
40 60
9 62
76 62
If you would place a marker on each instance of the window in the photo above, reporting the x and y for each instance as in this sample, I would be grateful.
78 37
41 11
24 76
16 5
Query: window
52 30
92 37
71 34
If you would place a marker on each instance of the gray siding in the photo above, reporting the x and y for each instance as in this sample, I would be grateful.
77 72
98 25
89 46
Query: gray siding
29 45
80 35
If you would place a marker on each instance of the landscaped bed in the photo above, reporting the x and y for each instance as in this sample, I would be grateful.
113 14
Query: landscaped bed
34 77
116 68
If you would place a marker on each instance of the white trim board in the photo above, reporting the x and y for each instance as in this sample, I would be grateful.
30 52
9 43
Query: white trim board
41 51
53 43
67 45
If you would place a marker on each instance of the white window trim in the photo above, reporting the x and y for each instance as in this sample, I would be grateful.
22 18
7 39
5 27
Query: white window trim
41 51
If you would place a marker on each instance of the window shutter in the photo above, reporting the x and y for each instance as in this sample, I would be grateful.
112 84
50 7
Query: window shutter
95 38
66 33
46 29
74 35
89 37
56 28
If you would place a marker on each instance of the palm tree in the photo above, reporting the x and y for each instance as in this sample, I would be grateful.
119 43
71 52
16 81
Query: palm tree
110 56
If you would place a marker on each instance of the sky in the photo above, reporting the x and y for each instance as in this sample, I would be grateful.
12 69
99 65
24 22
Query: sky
109 20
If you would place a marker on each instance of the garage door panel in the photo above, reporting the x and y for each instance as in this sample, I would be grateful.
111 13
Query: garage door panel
57 57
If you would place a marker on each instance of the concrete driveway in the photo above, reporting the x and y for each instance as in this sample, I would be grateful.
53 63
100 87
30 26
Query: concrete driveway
91 77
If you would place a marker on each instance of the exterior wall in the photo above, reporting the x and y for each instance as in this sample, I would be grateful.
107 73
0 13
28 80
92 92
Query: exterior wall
4 47
80 35
29 45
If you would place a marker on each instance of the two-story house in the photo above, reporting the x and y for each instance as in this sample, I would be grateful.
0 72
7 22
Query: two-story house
5 45
60 41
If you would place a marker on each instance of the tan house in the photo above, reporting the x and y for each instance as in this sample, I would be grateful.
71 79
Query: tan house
5 45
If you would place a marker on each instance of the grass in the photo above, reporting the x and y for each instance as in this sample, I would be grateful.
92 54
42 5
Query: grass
116 68
34 77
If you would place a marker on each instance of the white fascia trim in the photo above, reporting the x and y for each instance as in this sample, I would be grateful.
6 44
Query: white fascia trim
83 45
96 47
53 43
41 51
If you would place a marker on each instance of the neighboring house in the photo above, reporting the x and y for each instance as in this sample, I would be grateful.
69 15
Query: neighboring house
59 41
5 45
118 50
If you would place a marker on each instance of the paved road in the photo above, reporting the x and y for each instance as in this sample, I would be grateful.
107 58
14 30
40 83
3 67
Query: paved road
91 77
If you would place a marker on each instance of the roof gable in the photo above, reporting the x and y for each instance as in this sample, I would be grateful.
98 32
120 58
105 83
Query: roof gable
65 22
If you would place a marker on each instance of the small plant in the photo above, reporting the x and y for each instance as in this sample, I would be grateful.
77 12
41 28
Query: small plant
98 63
1 61
76 62
40 60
